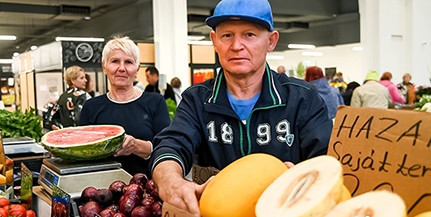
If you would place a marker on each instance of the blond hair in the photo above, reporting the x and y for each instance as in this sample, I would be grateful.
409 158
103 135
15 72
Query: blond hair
72 73
121 43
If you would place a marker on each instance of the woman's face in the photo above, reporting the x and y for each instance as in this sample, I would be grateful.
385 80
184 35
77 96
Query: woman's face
121 69
80 81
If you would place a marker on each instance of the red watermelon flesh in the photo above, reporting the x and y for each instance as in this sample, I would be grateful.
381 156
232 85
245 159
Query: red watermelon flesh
82 135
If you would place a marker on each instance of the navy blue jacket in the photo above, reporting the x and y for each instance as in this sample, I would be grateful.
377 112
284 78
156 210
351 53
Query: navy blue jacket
289 121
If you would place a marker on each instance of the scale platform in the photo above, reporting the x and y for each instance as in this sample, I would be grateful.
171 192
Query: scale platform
21 145
73 177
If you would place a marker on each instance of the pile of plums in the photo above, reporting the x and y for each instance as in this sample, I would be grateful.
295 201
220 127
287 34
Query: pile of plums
139 198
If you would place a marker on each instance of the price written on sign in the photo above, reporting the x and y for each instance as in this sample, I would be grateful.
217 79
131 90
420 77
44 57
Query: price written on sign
385 149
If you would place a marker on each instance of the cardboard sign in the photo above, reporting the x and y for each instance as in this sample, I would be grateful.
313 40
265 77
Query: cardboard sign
385 149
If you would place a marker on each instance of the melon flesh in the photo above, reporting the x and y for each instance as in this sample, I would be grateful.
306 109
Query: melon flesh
234 191
310 188
371 204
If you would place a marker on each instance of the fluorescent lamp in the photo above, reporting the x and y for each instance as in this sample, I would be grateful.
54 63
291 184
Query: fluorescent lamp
312 54
200 42
274 57
6 61
195 37
301 46
8 37
357 48
80 39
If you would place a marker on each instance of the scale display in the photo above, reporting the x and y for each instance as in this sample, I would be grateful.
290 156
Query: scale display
64 175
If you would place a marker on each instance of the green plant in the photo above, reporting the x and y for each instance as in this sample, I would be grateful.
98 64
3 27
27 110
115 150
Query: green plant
18 124
300 71
172 107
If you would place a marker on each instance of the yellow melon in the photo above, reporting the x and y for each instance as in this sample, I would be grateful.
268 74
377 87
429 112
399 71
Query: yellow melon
424 214
235 190
345 195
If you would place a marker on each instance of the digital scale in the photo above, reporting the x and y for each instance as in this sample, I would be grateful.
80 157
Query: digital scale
22 145
74 177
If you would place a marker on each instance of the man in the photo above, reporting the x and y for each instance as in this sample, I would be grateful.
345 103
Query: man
152 75
281 70
245 109
372 94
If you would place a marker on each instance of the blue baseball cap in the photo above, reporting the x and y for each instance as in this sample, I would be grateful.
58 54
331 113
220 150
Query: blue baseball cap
254 11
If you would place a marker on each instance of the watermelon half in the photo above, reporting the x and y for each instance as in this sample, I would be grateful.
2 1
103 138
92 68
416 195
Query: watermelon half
85 142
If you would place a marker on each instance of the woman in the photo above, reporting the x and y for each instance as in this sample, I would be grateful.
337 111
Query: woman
176 86
70 103
89 85
330 95
141 114
385 80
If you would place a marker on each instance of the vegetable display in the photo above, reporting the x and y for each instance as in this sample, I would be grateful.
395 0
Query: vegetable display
18 124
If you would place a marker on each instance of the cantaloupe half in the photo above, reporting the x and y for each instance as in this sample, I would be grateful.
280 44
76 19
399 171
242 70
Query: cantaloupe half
424 214
371 204
234 191
345 194
310 188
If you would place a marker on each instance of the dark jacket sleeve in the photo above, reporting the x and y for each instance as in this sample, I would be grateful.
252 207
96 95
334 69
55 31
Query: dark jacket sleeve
178 141
316 128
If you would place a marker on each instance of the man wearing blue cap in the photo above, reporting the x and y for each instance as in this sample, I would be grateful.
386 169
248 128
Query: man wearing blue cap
246 108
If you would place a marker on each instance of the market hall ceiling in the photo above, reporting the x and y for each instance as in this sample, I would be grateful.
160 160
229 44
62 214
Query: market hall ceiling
38 22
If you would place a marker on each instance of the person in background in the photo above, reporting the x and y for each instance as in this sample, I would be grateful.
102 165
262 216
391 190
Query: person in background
152 74
67 110
138 85
347 94
247 108
2 107
338 82
281 70
385 80
371 94
89 85
330 95
176 86
407 89
141 114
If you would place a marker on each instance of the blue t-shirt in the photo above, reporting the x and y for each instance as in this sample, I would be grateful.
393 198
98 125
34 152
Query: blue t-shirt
242 107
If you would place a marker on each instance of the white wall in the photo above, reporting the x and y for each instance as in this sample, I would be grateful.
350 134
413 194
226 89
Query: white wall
421 42
342 57
395 35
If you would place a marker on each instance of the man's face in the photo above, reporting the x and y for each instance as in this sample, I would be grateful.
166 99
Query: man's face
151 79
242 46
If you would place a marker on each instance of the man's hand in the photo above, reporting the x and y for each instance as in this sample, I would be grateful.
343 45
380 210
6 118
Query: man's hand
175 190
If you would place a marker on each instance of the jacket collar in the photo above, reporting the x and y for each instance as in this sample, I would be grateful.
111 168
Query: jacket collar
271 93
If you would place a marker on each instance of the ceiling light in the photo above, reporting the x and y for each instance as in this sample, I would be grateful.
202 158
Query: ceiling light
357 48
15 54
200 42
7 37
301 46
312 54
34 47
195 37
274 57
87 39
6 61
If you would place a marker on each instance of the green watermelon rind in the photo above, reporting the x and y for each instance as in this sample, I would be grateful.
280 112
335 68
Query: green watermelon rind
89 151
